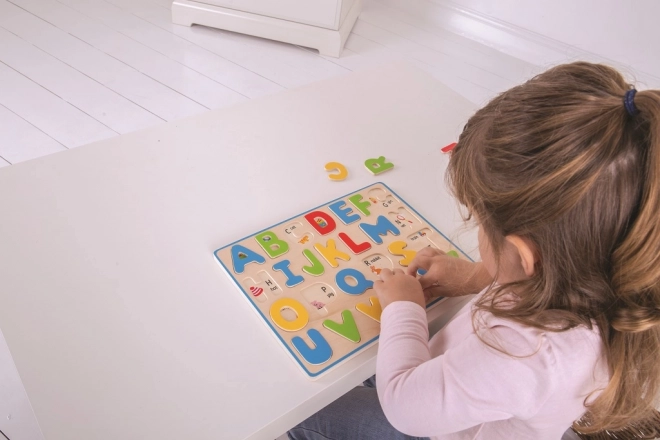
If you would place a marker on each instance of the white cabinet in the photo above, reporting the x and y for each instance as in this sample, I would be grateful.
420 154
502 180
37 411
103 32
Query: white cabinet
320 24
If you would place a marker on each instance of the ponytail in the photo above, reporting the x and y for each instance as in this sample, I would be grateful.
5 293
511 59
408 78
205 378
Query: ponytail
633 340
637 260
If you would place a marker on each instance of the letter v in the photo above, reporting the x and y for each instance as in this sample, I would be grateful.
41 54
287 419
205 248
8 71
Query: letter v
348 329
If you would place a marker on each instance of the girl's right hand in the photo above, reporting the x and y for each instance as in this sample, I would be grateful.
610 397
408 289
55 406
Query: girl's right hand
446 275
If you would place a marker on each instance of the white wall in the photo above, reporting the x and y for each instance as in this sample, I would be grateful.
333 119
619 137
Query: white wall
623 31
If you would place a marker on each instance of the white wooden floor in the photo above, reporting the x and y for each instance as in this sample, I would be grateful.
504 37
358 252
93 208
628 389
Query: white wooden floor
77 71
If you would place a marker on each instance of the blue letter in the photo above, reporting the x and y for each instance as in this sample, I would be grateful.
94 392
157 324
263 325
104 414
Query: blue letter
291 279
382 227
343 214
362 283
315 356
240 256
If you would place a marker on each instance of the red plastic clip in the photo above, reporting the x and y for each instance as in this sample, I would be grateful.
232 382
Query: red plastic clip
448 148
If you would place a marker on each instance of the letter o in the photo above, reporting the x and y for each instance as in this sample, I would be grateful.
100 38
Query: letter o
302 316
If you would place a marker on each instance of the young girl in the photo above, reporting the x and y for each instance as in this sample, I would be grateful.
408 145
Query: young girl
562 175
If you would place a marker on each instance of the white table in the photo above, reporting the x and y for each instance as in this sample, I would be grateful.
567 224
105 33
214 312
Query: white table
119 320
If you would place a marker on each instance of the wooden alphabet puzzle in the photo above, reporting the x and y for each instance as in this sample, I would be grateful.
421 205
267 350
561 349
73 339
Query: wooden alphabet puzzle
310 277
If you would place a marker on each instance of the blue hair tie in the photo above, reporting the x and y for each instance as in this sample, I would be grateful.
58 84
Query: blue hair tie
629 102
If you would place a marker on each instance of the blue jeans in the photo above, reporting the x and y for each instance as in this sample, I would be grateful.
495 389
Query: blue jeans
355 415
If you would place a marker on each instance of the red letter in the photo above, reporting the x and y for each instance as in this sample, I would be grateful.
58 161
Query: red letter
356 248
321 221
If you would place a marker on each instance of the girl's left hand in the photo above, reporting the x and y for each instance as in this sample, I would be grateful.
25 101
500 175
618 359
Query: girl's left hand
397 286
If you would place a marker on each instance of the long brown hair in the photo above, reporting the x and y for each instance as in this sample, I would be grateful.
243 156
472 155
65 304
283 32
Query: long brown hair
560 161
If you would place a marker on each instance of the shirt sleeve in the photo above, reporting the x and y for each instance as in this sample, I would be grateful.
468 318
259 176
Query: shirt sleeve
470 384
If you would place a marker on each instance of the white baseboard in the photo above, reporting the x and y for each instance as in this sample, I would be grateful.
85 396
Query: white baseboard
518 42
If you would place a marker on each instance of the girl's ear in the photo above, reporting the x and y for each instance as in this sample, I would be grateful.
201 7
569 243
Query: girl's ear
526 251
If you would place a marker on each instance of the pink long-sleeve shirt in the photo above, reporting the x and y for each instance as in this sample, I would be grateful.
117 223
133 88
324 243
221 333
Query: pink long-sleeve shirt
456 387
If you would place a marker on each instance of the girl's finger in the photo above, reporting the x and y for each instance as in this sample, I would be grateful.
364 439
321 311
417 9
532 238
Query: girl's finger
429 280
398 271
385 274
419 262
430 251
412 269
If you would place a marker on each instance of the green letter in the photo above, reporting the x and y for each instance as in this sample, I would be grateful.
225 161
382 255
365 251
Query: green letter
273 246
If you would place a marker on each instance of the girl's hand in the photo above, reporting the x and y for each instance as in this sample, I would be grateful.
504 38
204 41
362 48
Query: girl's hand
397 286
446 275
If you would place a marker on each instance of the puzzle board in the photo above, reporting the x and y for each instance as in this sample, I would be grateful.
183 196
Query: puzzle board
310 277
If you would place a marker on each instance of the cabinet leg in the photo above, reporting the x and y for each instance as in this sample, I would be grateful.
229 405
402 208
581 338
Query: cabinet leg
181 15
